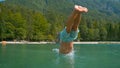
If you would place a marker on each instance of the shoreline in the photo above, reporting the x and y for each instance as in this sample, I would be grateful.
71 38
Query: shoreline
85 42
100 42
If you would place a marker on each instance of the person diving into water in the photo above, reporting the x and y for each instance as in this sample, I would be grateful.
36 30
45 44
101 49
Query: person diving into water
70 32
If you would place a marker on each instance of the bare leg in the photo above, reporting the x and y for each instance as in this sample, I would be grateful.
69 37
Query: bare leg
74 20
78 17
70 20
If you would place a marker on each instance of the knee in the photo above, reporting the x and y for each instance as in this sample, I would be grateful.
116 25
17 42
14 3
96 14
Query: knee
75 28
68 30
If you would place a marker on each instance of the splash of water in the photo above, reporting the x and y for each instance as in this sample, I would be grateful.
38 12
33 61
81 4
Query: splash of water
66 58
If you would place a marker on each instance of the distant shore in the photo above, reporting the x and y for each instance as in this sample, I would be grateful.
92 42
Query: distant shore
26 42
103 42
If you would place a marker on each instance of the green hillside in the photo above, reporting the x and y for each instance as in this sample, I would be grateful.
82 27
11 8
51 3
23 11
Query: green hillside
106 8
42 20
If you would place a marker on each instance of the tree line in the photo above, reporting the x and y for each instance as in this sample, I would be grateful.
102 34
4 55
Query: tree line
99 30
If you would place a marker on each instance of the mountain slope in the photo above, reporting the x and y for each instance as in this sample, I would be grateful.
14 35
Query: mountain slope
104 8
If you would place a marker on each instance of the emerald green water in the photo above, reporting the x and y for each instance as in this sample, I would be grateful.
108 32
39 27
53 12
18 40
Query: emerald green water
47 56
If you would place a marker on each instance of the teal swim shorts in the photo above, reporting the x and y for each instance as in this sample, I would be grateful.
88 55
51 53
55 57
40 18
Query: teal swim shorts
68 37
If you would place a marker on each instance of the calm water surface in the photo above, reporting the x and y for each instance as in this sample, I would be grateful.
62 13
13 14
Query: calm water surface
47 56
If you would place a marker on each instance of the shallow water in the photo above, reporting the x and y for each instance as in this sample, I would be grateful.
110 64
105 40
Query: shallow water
47 56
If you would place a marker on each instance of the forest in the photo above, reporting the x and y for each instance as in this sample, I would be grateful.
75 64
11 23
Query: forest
23 23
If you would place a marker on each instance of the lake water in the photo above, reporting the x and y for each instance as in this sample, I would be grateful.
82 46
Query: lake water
47 56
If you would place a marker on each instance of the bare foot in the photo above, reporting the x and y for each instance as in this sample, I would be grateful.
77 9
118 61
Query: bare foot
80 8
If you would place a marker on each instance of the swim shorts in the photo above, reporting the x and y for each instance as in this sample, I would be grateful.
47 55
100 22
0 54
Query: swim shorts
68 37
